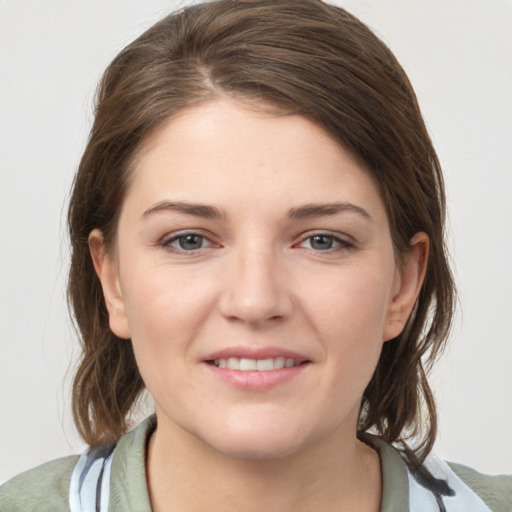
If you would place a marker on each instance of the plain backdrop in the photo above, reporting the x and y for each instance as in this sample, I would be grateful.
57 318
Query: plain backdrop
458 56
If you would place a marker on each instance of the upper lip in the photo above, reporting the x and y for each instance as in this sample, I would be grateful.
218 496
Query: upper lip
256 353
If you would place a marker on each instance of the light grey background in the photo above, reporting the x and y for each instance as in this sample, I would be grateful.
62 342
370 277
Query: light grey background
458 54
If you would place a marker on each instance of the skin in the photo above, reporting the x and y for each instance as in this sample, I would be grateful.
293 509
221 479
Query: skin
256 278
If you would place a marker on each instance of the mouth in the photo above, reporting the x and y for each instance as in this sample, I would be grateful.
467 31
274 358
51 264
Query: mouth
256 369
244 364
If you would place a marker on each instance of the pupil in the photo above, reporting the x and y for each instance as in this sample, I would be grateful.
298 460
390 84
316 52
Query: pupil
190 242
321 242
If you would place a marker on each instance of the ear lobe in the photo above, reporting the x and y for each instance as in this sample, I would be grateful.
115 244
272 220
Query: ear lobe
108 274
408 282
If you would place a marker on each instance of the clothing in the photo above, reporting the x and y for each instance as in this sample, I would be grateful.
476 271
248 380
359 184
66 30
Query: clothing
46 488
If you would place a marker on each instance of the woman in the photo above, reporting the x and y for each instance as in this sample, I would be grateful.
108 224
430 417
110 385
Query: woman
257 234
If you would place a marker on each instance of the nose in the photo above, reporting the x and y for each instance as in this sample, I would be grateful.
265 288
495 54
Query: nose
255 289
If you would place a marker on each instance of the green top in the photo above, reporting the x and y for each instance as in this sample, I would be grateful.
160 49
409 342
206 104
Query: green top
45 488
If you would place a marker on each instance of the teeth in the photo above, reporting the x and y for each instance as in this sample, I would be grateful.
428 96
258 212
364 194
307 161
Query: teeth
279 362
233 363
261 365
248 364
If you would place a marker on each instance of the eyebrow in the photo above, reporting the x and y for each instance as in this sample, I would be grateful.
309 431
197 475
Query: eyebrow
306 211
319 210
197 210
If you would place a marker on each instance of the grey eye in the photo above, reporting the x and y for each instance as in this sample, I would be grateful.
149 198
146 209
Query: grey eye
190 242
321 242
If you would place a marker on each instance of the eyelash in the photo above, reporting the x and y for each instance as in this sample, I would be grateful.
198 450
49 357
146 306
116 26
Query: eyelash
167 242
339 243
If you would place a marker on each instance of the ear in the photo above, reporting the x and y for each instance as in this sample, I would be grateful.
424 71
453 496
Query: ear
408 281
107 270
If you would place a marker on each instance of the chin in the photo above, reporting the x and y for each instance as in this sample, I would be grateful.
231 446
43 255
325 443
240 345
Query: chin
262 439
243 446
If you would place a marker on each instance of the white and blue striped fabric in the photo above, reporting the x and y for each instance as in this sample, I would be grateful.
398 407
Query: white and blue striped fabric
90 481
460 497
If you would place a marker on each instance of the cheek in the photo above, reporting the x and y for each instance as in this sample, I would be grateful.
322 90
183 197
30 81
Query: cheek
350 325
164 315
165 309
351 302
165 298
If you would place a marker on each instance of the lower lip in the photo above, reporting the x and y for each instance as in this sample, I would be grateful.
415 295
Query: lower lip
253 380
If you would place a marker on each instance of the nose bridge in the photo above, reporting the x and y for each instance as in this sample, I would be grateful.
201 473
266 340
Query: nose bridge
254 291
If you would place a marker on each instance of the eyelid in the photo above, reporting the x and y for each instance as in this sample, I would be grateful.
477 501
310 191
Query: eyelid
166 241
344 242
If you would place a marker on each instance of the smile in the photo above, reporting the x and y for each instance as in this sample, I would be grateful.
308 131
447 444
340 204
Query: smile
252 368
261 365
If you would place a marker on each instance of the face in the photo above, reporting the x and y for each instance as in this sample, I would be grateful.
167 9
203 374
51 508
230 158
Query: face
255 275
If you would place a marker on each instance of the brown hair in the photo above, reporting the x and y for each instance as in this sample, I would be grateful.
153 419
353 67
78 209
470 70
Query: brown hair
301 56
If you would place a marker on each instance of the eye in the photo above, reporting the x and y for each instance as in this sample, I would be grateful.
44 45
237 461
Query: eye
321 242
186 242
190 242
324 242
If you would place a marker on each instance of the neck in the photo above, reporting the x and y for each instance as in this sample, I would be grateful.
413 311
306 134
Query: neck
336 474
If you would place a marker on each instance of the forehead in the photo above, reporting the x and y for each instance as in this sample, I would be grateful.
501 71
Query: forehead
229 152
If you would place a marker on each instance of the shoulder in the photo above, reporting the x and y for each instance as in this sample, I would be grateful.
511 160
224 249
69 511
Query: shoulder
462 488
44 488
494 490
